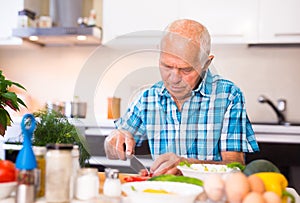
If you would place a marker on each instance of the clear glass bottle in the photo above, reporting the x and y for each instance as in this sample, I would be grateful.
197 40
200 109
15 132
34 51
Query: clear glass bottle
59 169
87 184
40 153
112 183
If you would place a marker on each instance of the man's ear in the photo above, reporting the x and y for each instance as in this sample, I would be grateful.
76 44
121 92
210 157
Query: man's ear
206 65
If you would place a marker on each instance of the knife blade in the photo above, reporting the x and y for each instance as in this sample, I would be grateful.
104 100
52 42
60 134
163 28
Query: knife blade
136 164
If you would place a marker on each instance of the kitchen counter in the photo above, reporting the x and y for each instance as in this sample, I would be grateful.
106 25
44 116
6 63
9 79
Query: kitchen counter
277 133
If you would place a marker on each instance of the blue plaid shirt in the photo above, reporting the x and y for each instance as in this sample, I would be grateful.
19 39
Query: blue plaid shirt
212 120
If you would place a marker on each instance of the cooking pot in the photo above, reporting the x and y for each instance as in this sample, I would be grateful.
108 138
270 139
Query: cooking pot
75 109
69 109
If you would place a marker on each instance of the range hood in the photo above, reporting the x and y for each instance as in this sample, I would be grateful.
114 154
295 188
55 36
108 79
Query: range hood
63 29
60 36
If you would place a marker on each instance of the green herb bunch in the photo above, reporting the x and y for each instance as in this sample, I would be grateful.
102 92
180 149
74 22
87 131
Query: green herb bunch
8 99
53 127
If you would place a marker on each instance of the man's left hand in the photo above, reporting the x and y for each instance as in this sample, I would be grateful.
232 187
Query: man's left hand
166 164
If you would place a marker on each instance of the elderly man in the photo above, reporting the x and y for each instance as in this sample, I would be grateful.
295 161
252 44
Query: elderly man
191 114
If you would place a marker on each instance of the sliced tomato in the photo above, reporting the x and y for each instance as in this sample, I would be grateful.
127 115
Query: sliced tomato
136 178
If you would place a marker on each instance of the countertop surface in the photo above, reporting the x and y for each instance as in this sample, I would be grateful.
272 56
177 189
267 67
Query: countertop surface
102 199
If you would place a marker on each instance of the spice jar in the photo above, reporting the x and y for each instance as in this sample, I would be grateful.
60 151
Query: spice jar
58 172
112 184
39 153
87 184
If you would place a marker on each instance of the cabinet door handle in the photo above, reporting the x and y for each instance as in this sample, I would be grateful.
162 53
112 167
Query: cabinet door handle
287 34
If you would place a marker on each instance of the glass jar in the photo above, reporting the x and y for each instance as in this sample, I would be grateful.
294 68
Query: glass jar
39 153
59 169
87 184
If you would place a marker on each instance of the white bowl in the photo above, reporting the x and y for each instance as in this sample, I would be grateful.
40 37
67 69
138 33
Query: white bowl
177 192
6 189
201 171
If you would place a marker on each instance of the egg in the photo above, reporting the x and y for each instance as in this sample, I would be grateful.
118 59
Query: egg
254 197
271 197
236 187
256 184
214 187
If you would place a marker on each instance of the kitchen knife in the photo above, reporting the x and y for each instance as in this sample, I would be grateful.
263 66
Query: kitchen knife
136 164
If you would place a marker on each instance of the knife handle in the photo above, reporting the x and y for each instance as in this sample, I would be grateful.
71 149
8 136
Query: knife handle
129 156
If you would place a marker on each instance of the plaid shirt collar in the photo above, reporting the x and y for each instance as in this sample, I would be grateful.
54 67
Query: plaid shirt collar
204 88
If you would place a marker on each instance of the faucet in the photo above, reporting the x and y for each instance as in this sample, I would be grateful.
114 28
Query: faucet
278 110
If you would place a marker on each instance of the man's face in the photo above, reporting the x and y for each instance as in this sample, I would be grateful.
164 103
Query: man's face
180 77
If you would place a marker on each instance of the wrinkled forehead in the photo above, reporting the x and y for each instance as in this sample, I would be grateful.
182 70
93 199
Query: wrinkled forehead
181 47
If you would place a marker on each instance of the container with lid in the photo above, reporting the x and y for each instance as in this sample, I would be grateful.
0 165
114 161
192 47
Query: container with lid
87 184
112 184
59 167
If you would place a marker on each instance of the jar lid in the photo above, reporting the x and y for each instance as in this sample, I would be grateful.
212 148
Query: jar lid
86 171
59 146
39 150
111 173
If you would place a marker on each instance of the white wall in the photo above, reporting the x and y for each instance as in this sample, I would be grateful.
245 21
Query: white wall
50 74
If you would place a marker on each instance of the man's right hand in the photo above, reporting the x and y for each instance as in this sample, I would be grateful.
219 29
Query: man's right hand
114 144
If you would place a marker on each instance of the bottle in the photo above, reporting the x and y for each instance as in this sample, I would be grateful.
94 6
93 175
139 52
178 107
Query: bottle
59 167
87 184
26 163
39 153
75 168
112 183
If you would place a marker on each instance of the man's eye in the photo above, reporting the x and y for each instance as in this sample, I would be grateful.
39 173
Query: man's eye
187 70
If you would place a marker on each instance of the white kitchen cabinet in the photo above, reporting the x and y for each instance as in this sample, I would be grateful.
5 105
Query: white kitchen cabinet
231 21
8 20
279 21
122 17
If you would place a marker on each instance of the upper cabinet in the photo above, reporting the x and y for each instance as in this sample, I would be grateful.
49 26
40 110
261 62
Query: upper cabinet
122 17
279 21
9 18
230 21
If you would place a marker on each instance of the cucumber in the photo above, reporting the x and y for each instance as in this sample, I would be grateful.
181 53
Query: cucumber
260 165
174 178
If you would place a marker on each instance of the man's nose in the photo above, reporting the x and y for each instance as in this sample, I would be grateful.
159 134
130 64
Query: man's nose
175 75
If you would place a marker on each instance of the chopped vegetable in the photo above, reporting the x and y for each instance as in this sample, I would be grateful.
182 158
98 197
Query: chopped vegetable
236 165
136 178
173 178
133 188
160 191
184 163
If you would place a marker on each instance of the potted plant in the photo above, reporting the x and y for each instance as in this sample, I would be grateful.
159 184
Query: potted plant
8 99
54 127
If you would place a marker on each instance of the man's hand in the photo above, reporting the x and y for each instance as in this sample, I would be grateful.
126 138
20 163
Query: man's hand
114 144
166 164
